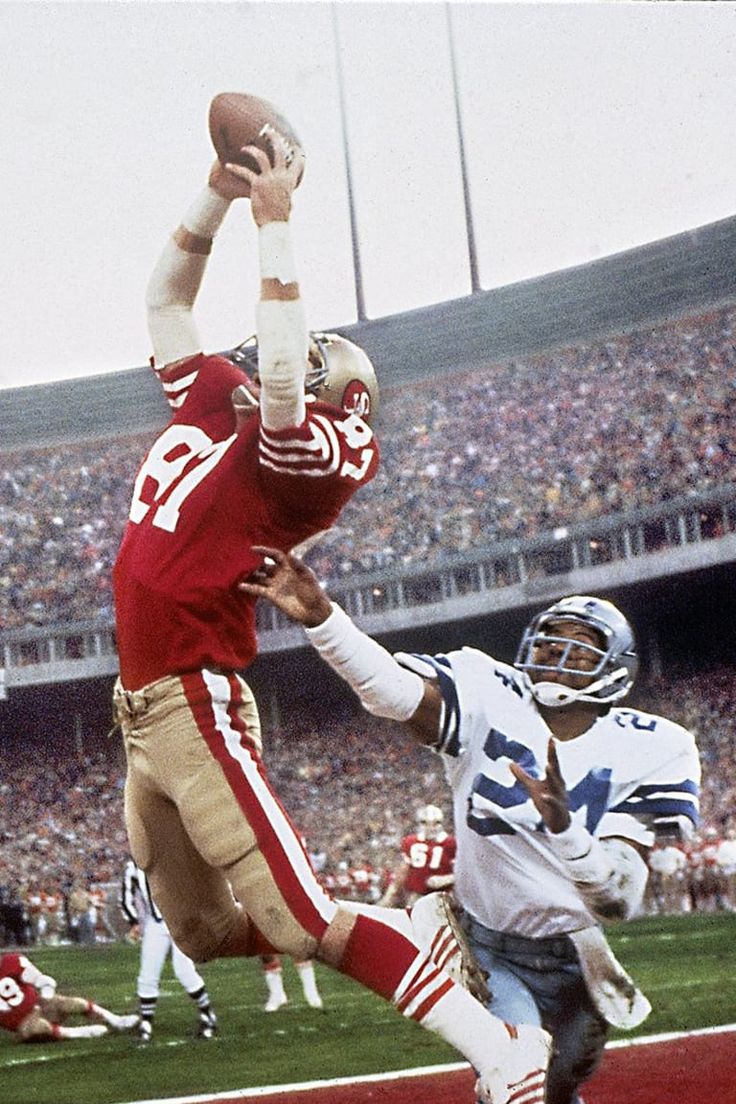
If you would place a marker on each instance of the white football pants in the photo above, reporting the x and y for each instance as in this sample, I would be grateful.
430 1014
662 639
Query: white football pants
156 944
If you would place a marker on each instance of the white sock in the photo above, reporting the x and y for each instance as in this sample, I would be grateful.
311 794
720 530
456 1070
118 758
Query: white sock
397 918
309 983
464 1023
275 983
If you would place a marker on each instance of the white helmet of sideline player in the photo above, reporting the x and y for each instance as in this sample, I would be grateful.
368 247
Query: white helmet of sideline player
615 661
430 819
339 372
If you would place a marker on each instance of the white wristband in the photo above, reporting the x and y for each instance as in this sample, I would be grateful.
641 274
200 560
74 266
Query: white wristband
276 253
609 874
582 853
205 215
384 688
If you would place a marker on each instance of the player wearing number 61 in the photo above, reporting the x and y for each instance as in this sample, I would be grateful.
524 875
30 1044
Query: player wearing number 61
427 860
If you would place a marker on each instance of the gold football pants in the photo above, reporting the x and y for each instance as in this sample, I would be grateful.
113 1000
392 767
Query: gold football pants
204 823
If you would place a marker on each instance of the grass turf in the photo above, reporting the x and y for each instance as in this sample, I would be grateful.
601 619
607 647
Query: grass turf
685 964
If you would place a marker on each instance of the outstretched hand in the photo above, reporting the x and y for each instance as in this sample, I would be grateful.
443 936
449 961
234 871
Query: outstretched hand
549 794
271 186
227 184
290 585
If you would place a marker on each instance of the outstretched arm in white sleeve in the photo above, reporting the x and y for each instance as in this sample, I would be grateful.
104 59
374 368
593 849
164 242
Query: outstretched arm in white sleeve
177 276
283 338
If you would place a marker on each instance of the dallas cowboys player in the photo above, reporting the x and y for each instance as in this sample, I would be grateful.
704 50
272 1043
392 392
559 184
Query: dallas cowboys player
558 792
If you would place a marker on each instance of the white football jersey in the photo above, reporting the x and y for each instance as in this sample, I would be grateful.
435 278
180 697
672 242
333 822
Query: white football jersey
627 774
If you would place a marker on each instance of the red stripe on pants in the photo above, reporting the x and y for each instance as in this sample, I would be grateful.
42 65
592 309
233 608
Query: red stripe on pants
288 882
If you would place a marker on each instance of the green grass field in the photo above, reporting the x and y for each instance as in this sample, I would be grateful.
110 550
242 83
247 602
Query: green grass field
686 965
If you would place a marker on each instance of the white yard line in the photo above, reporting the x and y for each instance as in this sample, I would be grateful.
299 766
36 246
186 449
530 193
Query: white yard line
395 1075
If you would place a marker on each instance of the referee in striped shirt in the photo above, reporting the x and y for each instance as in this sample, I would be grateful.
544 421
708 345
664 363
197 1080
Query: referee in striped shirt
147 924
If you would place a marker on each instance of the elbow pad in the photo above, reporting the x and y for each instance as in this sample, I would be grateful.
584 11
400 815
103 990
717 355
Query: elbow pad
610 875
170 296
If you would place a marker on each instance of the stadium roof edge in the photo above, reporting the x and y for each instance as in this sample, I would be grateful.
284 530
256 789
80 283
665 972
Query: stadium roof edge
685 272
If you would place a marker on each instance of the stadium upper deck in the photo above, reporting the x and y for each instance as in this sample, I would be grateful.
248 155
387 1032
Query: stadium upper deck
664 279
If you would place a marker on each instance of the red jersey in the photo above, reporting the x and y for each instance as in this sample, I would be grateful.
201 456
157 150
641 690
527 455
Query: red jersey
17 997
426 857
203 497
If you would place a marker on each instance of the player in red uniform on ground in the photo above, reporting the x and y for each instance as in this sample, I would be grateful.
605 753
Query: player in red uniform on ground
237 467
427 860
32 1010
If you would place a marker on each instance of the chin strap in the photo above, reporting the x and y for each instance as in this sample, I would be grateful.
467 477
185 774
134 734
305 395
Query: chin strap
554 695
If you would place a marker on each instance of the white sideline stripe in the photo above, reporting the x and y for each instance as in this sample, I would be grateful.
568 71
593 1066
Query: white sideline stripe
668 1036
396 1075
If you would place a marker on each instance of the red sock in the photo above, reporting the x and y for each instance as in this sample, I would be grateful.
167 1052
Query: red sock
377 956
245 941
259 944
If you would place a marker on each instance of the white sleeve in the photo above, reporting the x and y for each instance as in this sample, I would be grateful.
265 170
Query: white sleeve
283 338
170 297
283 347
31 975
383 687
176 279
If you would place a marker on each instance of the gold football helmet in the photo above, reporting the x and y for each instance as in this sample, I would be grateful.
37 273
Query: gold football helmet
339 372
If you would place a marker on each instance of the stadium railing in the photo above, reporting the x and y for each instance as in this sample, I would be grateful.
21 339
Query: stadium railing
684 534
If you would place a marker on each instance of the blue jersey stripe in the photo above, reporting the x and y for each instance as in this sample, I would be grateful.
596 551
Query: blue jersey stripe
661 808
685 786
448 740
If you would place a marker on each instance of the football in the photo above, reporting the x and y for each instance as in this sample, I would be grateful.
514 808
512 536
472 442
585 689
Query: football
237 119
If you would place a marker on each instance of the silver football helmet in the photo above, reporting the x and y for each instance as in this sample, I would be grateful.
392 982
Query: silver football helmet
616 663
338 372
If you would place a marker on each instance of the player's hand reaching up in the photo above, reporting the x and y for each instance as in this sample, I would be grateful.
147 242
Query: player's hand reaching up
226 183
272 187
290 585
549 794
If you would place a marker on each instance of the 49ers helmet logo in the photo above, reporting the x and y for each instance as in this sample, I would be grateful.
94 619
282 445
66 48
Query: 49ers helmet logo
356 399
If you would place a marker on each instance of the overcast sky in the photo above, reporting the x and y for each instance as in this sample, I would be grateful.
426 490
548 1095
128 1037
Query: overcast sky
589 128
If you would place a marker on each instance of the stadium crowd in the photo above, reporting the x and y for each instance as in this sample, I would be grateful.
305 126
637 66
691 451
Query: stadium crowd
351 784
557 438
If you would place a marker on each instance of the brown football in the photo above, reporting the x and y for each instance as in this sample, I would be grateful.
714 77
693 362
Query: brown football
237 119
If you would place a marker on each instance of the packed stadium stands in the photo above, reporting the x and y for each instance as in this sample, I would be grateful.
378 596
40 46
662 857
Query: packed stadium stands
550 427
504 450
350 782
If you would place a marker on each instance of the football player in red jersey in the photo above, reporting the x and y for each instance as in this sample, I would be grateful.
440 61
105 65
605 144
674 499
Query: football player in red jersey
427 860
242 465
31 1008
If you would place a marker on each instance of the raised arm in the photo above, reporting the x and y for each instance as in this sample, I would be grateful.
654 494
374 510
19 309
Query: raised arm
177 276
281 327
384 687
